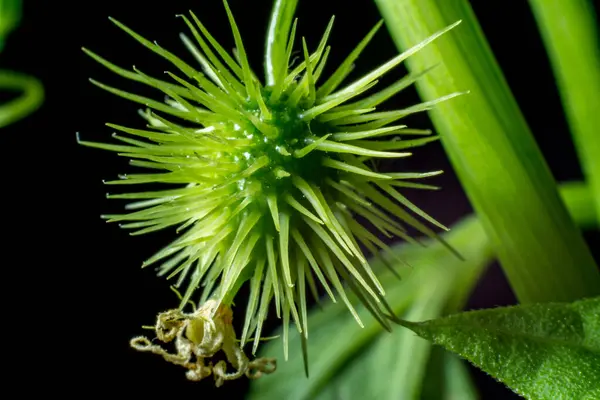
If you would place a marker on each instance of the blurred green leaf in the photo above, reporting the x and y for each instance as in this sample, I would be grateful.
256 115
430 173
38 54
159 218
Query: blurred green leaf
10 15
541 351
447 378
570 34
494 154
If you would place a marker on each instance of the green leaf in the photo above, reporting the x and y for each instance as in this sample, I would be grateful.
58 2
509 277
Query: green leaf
494 154
541 351
577 70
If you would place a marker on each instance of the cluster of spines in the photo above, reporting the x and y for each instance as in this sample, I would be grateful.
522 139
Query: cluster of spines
233 228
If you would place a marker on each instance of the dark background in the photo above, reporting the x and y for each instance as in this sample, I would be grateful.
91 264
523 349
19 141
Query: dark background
74 282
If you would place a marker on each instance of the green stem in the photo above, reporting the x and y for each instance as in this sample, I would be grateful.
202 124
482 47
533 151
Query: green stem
494 154
570 34
279 26
28 102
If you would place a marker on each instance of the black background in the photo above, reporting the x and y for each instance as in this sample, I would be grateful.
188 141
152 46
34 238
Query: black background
73 282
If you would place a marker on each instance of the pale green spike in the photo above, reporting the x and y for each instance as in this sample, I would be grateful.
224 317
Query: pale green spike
339 165
272 260
383 69
389 130
148 203
272 203
237 70
327 264
198 275
412 185
152 135
195 117
237 266
284 224
395 144
348 192
312 261
132 75
384 94
211 89
300 208
219 69
111 147
344 69
402 214
337 114
264 110
173 261
286 329
397 114
179 63
366 267
312 286
305 84
411 206
289 299
309 77
312 146
247 73
413 175
335 249
301 291
204 63
314 58
323 107
358 291
265 300
244 228
308 193
334 147
321 66
337 230
213 102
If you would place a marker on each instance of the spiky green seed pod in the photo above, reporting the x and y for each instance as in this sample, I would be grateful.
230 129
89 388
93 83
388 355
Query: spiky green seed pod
267 179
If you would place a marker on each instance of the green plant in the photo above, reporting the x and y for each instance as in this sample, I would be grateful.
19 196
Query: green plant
32 91
266 180
269 176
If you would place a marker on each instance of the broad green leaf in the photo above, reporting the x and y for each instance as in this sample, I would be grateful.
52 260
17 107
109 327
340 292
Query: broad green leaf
541 351
493 152
577 70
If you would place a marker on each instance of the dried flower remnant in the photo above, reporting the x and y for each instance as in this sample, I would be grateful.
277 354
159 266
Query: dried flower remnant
198 337
268 178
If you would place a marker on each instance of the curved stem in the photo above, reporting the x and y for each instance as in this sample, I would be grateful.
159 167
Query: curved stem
30 99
